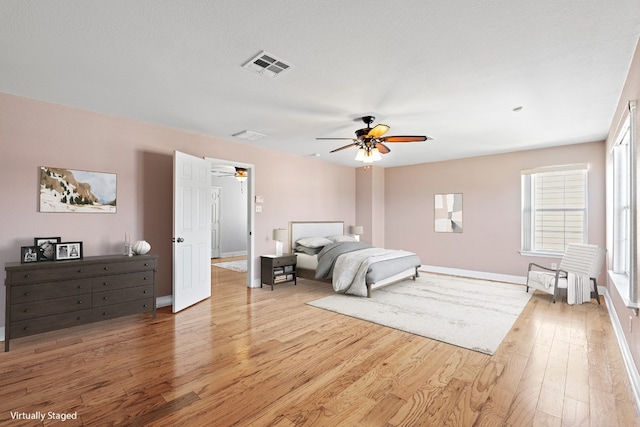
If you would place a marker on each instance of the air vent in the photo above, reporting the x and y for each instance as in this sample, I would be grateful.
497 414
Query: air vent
250 135
267 65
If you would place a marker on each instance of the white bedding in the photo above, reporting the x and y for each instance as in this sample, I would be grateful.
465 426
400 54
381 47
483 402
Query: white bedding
306 261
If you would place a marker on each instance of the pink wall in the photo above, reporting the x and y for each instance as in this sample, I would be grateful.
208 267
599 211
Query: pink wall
370 204
490 185
35 133
628 319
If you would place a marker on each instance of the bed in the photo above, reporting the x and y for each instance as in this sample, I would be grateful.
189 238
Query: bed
325 253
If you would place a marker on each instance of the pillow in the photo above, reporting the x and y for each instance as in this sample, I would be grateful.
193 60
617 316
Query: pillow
340 238
308 251
313 242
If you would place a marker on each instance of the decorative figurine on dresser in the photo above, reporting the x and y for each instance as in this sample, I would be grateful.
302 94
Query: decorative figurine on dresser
70 290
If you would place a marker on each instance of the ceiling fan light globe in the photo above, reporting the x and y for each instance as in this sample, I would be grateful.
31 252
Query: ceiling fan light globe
375 154
360 156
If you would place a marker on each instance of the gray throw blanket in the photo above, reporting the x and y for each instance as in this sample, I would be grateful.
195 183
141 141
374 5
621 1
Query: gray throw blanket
353 265
330 253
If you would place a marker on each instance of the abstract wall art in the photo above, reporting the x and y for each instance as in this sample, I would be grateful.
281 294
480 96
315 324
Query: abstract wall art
448 213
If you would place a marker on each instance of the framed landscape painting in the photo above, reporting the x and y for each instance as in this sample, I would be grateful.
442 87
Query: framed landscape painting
70 190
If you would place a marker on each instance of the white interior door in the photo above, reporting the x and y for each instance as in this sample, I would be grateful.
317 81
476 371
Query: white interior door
215 222
191 230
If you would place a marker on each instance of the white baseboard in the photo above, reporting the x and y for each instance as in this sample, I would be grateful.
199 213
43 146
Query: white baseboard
164 301
632 370
232 254
521 280
2 333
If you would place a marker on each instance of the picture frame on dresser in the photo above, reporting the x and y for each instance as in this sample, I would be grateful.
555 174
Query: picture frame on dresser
68 250
46 247
28 254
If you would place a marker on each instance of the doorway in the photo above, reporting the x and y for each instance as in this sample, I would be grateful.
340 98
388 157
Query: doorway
215 222
246 193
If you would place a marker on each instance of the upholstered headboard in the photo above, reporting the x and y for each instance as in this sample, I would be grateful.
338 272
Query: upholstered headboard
300 229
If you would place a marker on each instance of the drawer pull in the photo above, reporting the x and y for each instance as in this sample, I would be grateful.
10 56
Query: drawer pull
79 270
105 283
26 328
26 310
78 318
144 305
145 291
26 294
79 286
80 302
145 278
26 276
106 268
104 313
105 298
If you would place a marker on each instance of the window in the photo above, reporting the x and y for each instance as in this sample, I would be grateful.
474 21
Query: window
622 202
554 208
623 253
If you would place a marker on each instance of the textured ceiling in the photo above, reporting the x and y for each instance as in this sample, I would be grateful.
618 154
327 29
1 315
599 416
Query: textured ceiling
453 70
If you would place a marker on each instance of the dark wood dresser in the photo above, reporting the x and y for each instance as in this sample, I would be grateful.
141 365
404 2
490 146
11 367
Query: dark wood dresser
45 296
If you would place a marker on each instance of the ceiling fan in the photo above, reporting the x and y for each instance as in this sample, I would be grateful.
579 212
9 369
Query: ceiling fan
239 173
371 143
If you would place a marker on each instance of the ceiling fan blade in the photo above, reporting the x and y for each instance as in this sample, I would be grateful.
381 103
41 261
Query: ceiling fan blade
405 138
337 139
377 131
342 148
382 148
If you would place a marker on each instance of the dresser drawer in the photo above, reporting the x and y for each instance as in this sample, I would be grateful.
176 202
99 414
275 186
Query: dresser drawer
119 266
44 291
285 260
47 274
124 309
34 309
49 323
116 296
64 270
119 281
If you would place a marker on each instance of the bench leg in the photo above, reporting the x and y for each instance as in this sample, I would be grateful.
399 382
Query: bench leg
594 293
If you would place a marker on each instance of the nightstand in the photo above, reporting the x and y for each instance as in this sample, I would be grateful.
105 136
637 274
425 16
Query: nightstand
276 269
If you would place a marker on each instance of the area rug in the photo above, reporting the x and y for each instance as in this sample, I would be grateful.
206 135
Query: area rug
240 266
470 313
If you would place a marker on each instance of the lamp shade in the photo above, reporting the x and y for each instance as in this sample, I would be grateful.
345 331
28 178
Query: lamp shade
356 229
280 234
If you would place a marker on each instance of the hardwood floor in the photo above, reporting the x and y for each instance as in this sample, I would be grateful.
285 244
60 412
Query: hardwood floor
256 357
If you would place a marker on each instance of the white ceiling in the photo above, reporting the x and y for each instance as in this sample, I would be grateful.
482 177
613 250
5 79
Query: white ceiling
453 70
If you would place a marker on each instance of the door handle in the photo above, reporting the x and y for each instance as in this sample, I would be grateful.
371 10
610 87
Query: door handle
179 240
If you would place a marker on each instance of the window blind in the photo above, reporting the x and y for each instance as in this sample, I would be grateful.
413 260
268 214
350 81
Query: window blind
554 207
560 209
